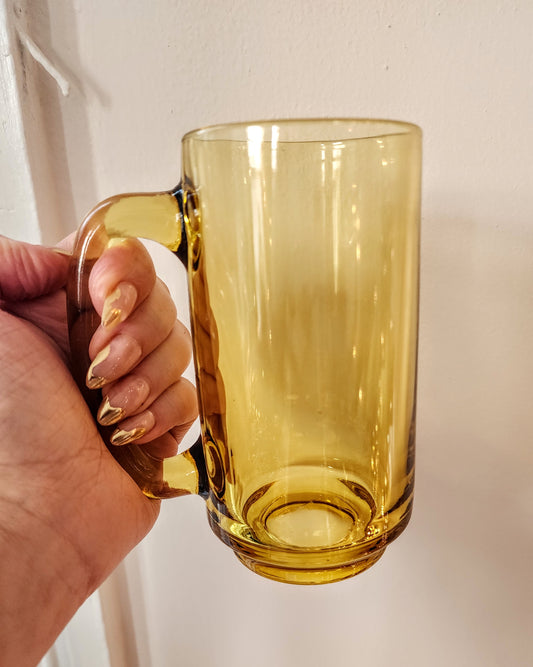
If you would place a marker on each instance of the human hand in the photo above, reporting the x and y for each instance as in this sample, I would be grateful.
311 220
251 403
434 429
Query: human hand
68 512
139 352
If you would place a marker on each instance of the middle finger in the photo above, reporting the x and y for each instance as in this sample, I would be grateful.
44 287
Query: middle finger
114 353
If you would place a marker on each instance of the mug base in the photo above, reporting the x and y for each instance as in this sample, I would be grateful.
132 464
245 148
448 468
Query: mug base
305 576
303 536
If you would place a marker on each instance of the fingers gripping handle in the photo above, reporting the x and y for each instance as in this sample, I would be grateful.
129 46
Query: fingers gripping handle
152 216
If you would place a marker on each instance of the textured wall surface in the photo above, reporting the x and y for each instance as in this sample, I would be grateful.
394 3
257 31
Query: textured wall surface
456 588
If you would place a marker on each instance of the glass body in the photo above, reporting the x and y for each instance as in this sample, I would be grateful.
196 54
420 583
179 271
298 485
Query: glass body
304 290
302 250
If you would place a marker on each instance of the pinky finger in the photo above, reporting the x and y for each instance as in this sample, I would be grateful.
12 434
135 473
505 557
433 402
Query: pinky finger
168 443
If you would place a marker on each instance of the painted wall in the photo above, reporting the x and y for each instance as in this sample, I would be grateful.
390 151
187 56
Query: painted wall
456 588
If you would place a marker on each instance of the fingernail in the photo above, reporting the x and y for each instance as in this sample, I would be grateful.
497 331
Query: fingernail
93 380
124 398
107 414
118 305
133 428
123 437
114 360
117 241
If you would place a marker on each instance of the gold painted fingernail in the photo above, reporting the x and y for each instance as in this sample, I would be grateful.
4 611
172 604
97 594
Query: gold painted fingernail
122 437
107 414
94 381
118 305
111 313
117 241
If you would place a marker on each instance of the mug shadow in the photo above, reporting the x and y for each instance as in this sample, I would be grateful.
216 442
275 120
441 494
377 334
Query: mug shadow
473 493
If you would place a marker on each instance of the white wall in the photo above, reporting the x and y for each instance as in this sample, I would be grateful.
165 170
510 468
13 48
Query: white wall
456 588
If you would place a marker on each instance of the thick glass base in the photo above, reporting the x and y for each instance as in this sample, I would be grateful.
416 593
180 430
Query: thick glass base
314 559
309 527
305 576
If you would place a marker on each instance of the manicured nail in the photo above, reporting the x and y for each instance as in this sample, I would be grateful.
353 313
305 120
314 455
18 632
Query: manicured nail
133 428
117 241
113 361
118 305
107 414
124 437
124 398
93 380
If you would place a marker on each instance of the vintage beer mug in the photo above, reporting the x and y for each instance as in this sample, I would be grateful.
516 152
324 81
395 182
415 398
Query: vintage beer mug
301 241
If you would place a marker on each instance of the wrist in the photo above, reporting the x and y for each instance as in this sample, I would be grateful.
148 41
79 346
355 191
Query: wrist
43 580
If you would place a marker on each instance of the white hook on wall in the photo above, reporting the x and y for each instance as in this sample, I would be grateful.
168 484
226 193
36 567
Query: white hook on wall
45 62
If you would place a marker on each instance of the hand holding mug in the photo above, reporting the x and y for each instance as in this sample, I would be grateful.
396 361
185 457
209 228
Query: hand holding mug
68 513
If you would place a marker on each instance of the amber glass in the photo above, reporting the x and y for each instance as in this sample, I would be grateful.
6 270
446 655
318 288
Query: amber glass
302 255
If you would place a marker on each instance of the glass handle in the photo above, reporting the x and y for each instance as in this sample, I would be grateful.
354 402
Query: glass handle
158 217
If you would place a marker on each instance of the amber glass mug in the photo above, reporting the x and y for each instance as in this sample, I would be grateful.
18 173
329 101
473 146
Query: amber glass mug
301 242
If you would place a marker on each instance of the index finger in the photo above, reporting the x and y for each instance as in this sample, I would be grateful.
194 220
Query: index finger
121 279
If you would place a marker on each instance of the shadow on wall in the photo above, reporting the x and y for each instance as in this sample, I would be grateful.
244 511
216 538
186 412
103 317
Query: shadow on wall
476 322
52 122
473 498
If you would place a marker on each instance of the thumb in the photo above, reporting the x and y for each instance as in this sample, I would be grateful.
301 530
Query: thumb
29 271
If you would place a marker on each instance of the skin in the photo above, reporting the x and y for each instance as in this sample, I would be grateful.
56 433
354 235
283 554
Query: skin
68 513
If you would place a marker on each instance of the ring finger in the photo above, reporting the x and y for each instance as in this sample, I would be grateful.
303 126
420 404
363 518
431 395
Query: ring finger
138 390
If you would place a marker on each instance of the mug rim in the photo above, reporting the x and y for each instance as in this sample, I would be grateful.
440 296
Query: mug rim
243 131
